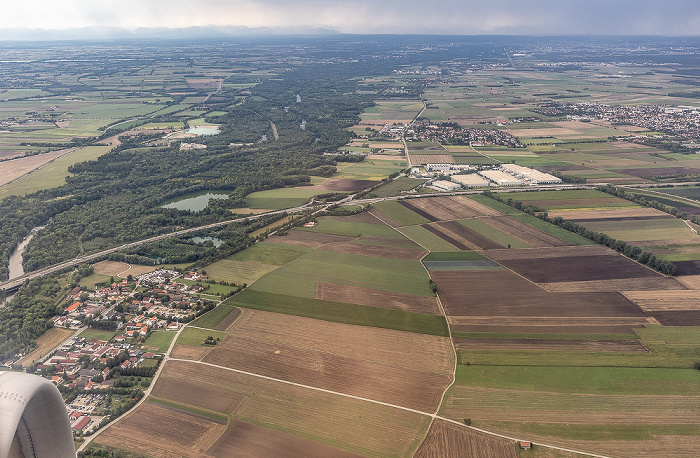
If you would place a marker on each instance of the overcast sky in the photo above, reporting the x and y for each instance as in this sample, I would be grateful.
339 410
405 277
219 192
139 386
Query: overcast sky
635 17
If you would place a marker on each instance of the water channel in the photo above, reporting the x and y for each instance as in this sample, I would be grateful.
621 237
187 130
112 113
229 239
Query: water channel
15 265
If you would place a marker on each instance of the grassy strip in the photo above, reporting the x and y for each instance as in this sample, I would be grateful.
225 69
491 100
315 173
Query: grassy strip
454 256
219 418
402 215
342 313
195 337
160 340
394 187
212 318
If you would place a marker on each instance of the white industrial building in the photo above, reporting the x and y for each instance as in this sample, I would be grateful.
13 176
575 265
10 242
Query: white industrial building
531 176
443 185
437 167
472 180
500 178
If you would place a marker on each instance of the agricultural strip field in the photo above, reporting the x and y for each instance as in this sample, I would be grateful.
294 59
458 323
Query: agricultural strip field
447 439
395 214
11 170
321 354
352 425
448 208
114 268
44 344
397 186
376 298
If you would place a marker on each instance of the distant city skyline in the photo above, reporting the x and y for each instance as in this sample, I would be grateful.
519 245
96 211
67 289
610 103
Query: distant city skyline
459 17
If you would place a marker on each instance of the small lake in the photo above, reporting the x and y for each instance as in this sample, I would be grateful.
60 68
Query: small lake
216 241
203 130
196 203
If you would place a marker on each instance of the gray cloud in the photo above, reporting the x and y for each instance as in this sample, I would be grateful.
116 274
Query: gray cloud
653 17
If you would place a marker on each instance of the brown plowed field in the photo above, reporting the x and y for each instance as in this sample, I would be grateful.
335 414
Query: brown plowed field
189 352
564 328
446 439
462 343
419 159
678 317
247 440
364 249
450 237
228 321
358 360
381 216
145 431
578 268
450 208
524 232
555 252
572 322
417 210
360 426
376 298
308 239
454 229
652 301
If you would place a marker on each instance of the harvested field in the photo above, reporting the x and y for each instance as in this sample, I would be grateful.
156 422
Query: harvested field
422 159
343 184
613 214
554 252
239 272
144 431
446 439
658 171
11 170
448 237
449 208
325 355
523 232
376 298
487 404
613 285
309 239
580 203
243 439
652 301
45 343
462 343
353 425
364 249
115 268
189 352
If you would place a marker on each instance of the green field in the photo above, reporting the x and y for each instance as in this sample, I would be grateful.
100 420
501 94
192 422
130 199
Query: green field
551 229
374 170
238 272
343 226
402 215
276 199
395 187
212 318
427 239
341 312
269 253
196 337
160 339
98 334
454 256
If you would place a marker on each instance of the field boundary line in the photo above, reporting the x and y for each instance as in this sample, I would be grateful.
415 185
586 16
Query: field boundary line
373 401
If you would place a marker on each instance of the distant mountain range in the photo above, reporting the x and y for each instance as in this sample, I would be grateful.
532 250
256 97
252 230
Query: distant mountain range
113 33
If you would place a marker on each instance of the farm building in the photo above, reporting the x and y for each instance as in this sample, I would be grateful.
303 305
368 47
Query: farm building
530 175
472 180
500 178
445 185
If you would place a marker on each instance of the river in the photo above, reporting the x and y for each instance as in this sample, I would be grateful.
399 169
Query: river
16 269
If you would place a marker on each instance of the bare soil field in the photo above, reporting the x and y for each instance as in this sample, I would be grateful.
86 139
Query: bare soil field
420 159
45 343
114 268
376 298
229 320
613 285
652 301
364 249
549 324
463 234
574 203
354 425
523 232
678 317
144 431
243 439
554 252
462 343
687 268
11 170
449 208
447 439
378 240
661 445
333 355
192 352
308 239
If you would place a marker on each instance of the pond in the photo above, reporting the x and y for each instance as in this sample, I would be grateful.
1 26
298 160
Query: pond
203 130
195 203
216 241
